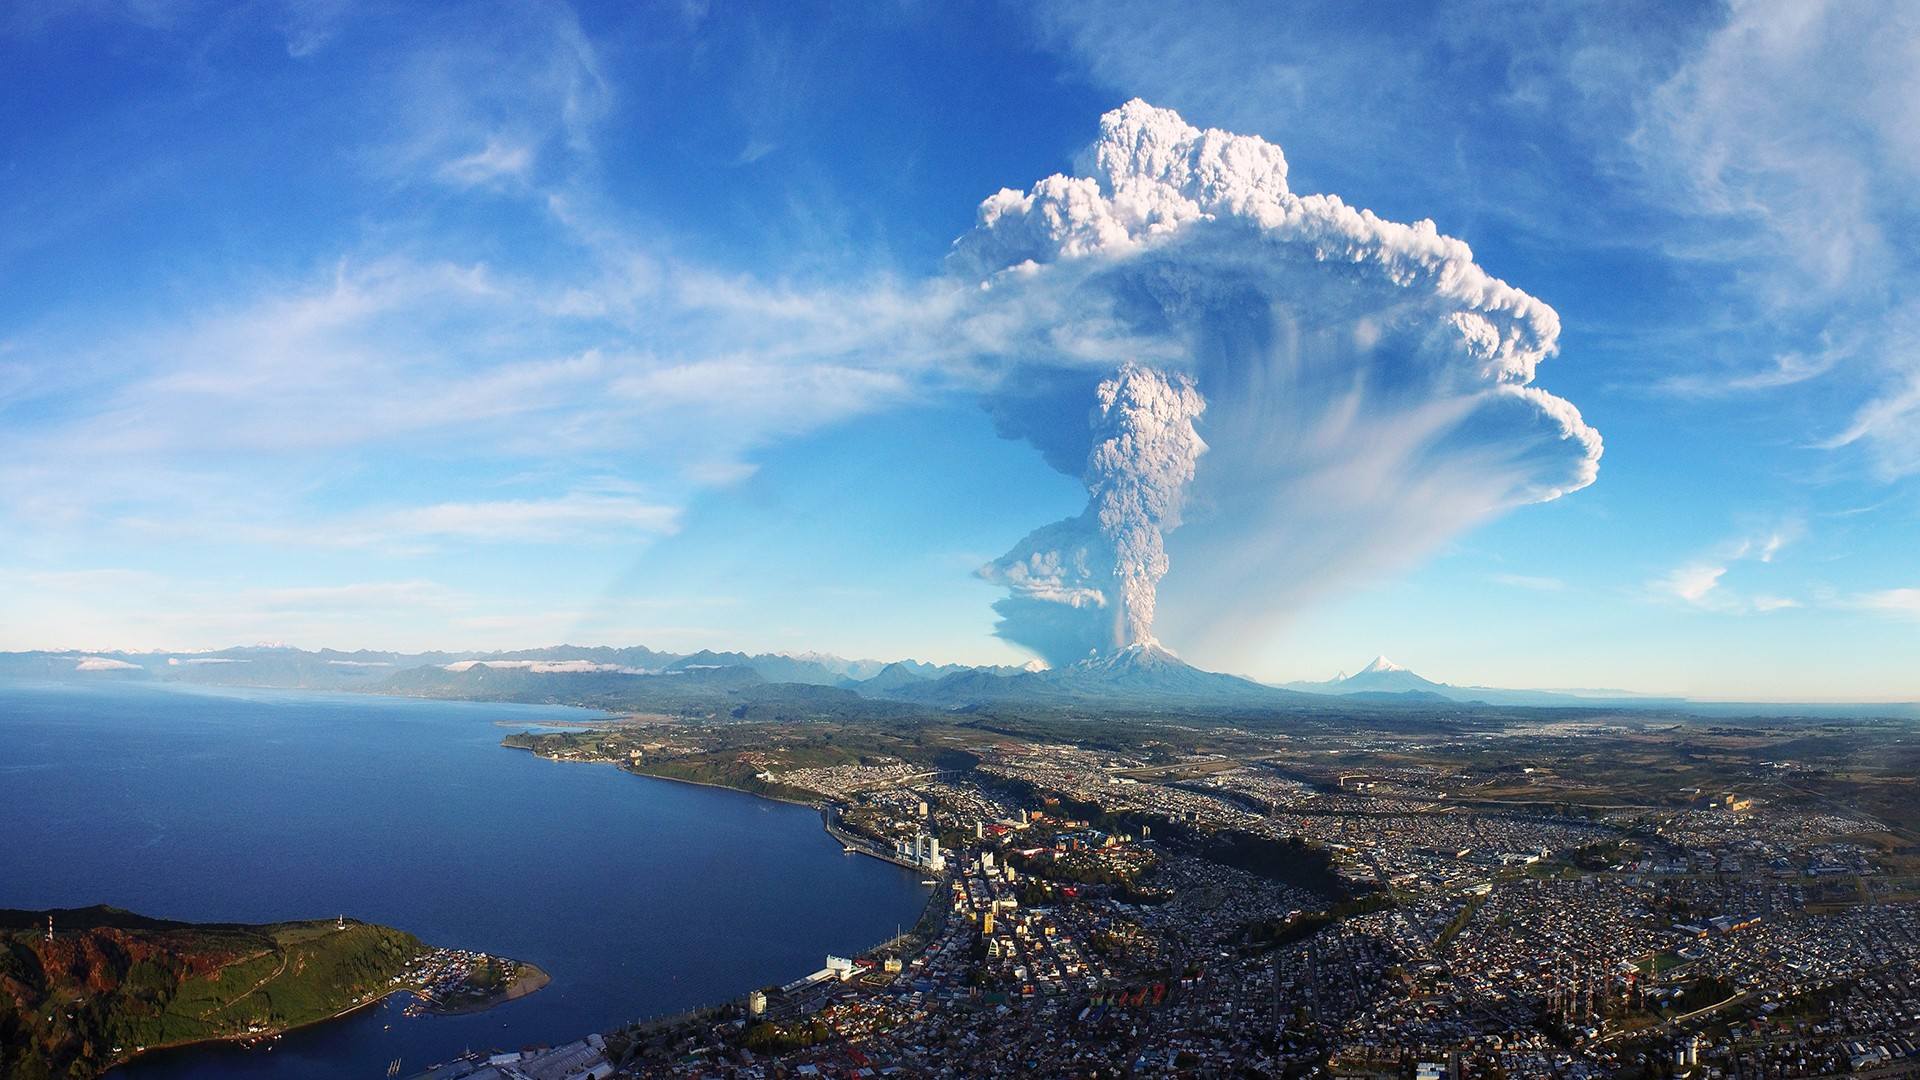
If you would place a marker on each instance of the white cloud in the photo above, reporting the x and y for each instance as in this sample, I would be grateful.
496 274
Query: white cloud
720 473
518 89
1763 546
1770 547
392 356
1790 130
1787 369
581 517
1694 583
499 159
575 517
754 150
771 397
1899 602
1701 584
1794 118
179 615
311 25
1891 422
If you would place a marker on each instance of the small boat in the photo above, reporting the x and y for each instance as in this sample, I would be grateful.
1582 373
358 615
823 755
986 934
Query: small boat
929 881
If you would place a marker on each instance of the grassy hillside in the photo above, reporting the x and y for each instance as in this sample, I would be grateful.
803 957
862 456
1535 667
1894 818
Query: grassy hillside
111 982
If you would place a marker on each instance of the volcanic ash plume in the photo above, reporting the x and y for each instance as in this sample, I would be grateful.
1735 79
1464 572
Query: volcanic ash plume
1367 390
1136 475
1110 559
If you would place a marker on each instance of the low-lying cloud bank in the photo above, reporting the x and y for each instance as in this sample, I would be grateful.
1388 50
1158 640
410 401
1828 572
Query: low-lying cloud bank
1361 389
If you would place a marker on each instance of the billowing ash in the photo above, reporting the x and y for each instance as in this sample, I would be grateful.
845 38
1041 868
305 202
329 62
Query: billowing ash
1109 560
1138 473
1365 385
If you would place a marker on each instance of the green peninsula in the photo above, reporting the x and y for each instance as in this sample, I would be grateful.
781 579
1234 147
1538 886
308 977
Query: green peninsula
106 985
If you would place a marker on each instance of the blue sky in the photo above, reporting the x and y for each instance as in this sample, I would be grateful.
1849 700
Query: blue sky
470 325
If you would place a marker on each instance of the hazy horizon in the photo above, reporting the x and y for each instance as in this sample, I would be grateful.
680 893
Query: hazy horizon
1596 692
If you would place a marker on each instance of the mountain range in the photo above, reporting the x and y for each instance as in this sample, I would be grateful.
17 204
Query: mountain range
1143 674
639 677
799 685
1385 680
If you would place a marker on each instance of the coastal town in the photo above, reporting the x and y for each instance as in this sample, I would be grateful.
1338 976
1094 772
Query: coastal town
1358 905
445 980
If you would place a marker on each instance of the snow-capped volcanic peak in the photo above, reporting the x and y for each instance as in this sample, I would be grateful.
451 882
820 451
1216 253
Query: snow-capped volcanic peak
1140 655
1380 664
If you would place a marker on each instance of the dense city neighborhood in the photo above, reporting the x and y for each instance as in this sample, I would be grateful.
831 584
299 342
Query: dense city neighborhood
1351 905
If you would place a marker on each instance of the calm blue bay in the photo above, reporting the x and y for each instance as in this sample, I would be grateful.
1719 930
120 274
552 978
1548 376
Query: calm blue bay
638 896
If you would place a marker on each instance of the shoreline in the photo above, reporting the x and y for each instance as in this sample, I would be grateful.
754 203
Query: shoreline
215 1040
533 977
814 804
538 978
627 768
530 974
824 807
860 845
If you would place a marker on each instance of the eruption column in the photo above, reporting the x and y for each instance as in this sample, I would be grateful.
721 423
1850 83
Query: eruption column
1138 469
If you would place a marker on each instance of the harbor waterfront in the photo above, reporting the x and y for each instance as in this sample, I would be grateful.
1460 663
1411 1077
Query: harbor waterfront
638 897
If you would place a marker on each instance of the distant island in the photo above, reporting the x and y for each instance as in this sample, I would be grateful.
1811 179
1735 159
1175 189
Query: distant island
95 987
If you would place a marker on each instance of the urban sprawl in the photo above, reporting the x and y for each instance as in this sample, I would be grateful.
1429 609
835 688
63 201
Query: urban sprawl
1365 904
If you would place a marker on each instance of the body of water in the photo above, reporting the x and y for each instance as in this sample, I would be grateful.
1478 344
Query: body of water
638 896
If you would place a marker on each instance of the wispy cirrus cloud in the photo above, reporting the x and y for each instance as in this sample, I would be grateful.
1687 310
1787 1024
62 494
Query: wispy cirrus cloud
572 518
515 96
1787 369
1790 131
500 159
146 610
1701 583
394 353
1902 603
1693 583
576 518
